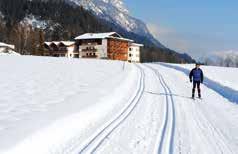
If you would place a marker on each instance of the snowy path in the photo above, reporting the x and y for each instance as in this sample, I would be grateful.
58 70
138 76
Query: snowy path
168 127
202 126
144 108
99 138
174 123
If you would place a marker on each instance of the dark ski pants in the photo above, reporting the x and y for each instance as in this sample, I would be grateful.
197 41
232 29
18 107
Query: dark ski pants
196 84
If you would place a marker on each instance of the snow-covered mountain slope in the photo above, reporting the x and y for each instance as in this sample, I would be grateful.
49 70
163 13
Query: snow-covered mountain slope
51 105
226 58
1 18
1 15
115 11
111 10
34 22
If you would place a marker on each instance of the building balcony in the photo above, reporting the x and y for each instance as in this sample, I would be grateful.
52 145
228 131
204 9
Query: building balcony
90 44
90 56
89 50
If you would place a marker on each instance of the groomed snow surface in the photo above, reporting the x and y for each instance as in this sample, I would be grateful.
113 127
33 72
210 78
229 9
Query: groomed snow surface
71 106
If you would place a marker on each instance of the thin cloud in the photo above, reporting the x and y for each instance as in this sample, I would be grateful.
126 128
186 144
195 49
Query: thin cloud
168 37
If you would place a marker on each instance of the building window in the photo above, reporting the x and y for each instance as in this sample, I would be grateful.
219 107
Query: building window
130 55
76 55
130 49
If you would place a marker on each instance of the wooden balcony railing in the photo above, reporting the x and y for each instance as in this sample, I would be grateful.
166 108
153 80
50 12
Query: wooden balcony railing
89 50
90 56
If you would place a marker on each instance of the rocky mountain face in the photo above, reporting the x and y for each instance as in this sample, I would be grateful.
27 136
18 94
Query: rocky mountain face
114 11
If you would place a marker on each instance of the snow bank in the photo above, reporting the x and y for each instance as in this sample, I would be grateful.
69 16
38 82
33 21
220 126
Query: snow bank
51 104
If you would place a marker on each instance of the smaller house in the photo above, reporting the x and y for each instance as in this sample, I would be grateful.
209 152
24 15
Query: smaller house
68 46
134 53
60 49
7 49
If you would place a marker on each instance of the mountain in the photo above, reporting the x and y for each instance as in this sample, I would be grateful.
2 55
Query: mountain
225 58
115 12
27 24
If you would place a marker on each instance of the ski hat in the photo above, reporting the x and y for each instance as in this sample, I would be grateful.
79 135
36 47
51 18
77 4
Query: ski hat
198 64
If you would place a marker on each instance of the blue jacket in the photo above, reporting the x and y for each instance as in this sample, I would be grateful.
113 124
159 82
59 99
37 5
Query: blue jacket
196 75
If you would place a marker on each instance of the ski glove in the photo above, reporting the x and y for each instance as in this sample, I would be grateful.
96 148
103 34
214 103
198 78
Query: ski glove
191 80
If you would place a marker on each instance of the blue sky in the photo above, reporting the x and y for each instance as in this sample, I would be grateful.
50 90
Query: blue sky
196 27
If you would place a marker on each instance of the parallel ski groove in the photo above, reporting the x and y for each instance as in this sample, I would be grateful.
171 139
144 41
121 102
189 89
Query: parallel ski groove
173 119
98 139
165 119
168 118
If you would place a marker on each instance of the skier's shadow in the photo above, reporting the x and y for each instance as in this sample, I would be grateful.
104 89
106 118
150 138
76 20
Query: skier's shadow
163 94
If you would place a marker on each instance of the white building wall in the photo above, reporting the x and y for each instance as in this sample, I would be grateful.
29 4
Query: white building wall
134 54
3 49
104 49
70 53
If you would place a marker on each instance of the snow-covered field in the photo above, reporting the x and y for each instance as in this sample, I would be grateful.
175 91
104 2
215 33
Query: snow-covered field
67 106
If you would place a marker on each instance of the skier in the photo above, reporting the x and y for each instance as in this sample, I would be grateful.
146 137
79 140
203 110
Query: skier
196 76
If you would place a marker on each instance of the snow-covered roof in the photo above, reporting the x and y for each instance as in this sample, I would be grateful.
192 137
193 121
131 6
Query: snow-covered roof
7 45
7 49
102 36
56 42
137 44
48 43
121 38
96 36
67 43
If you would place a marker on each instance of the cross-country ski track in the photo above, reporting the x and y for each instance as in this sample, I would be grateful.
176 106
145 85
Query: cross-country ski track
100 137
150 112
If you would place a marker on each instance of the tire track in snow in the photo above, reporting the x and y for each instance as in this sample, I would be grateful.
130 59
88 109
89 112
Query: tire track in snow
165 140
95 141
